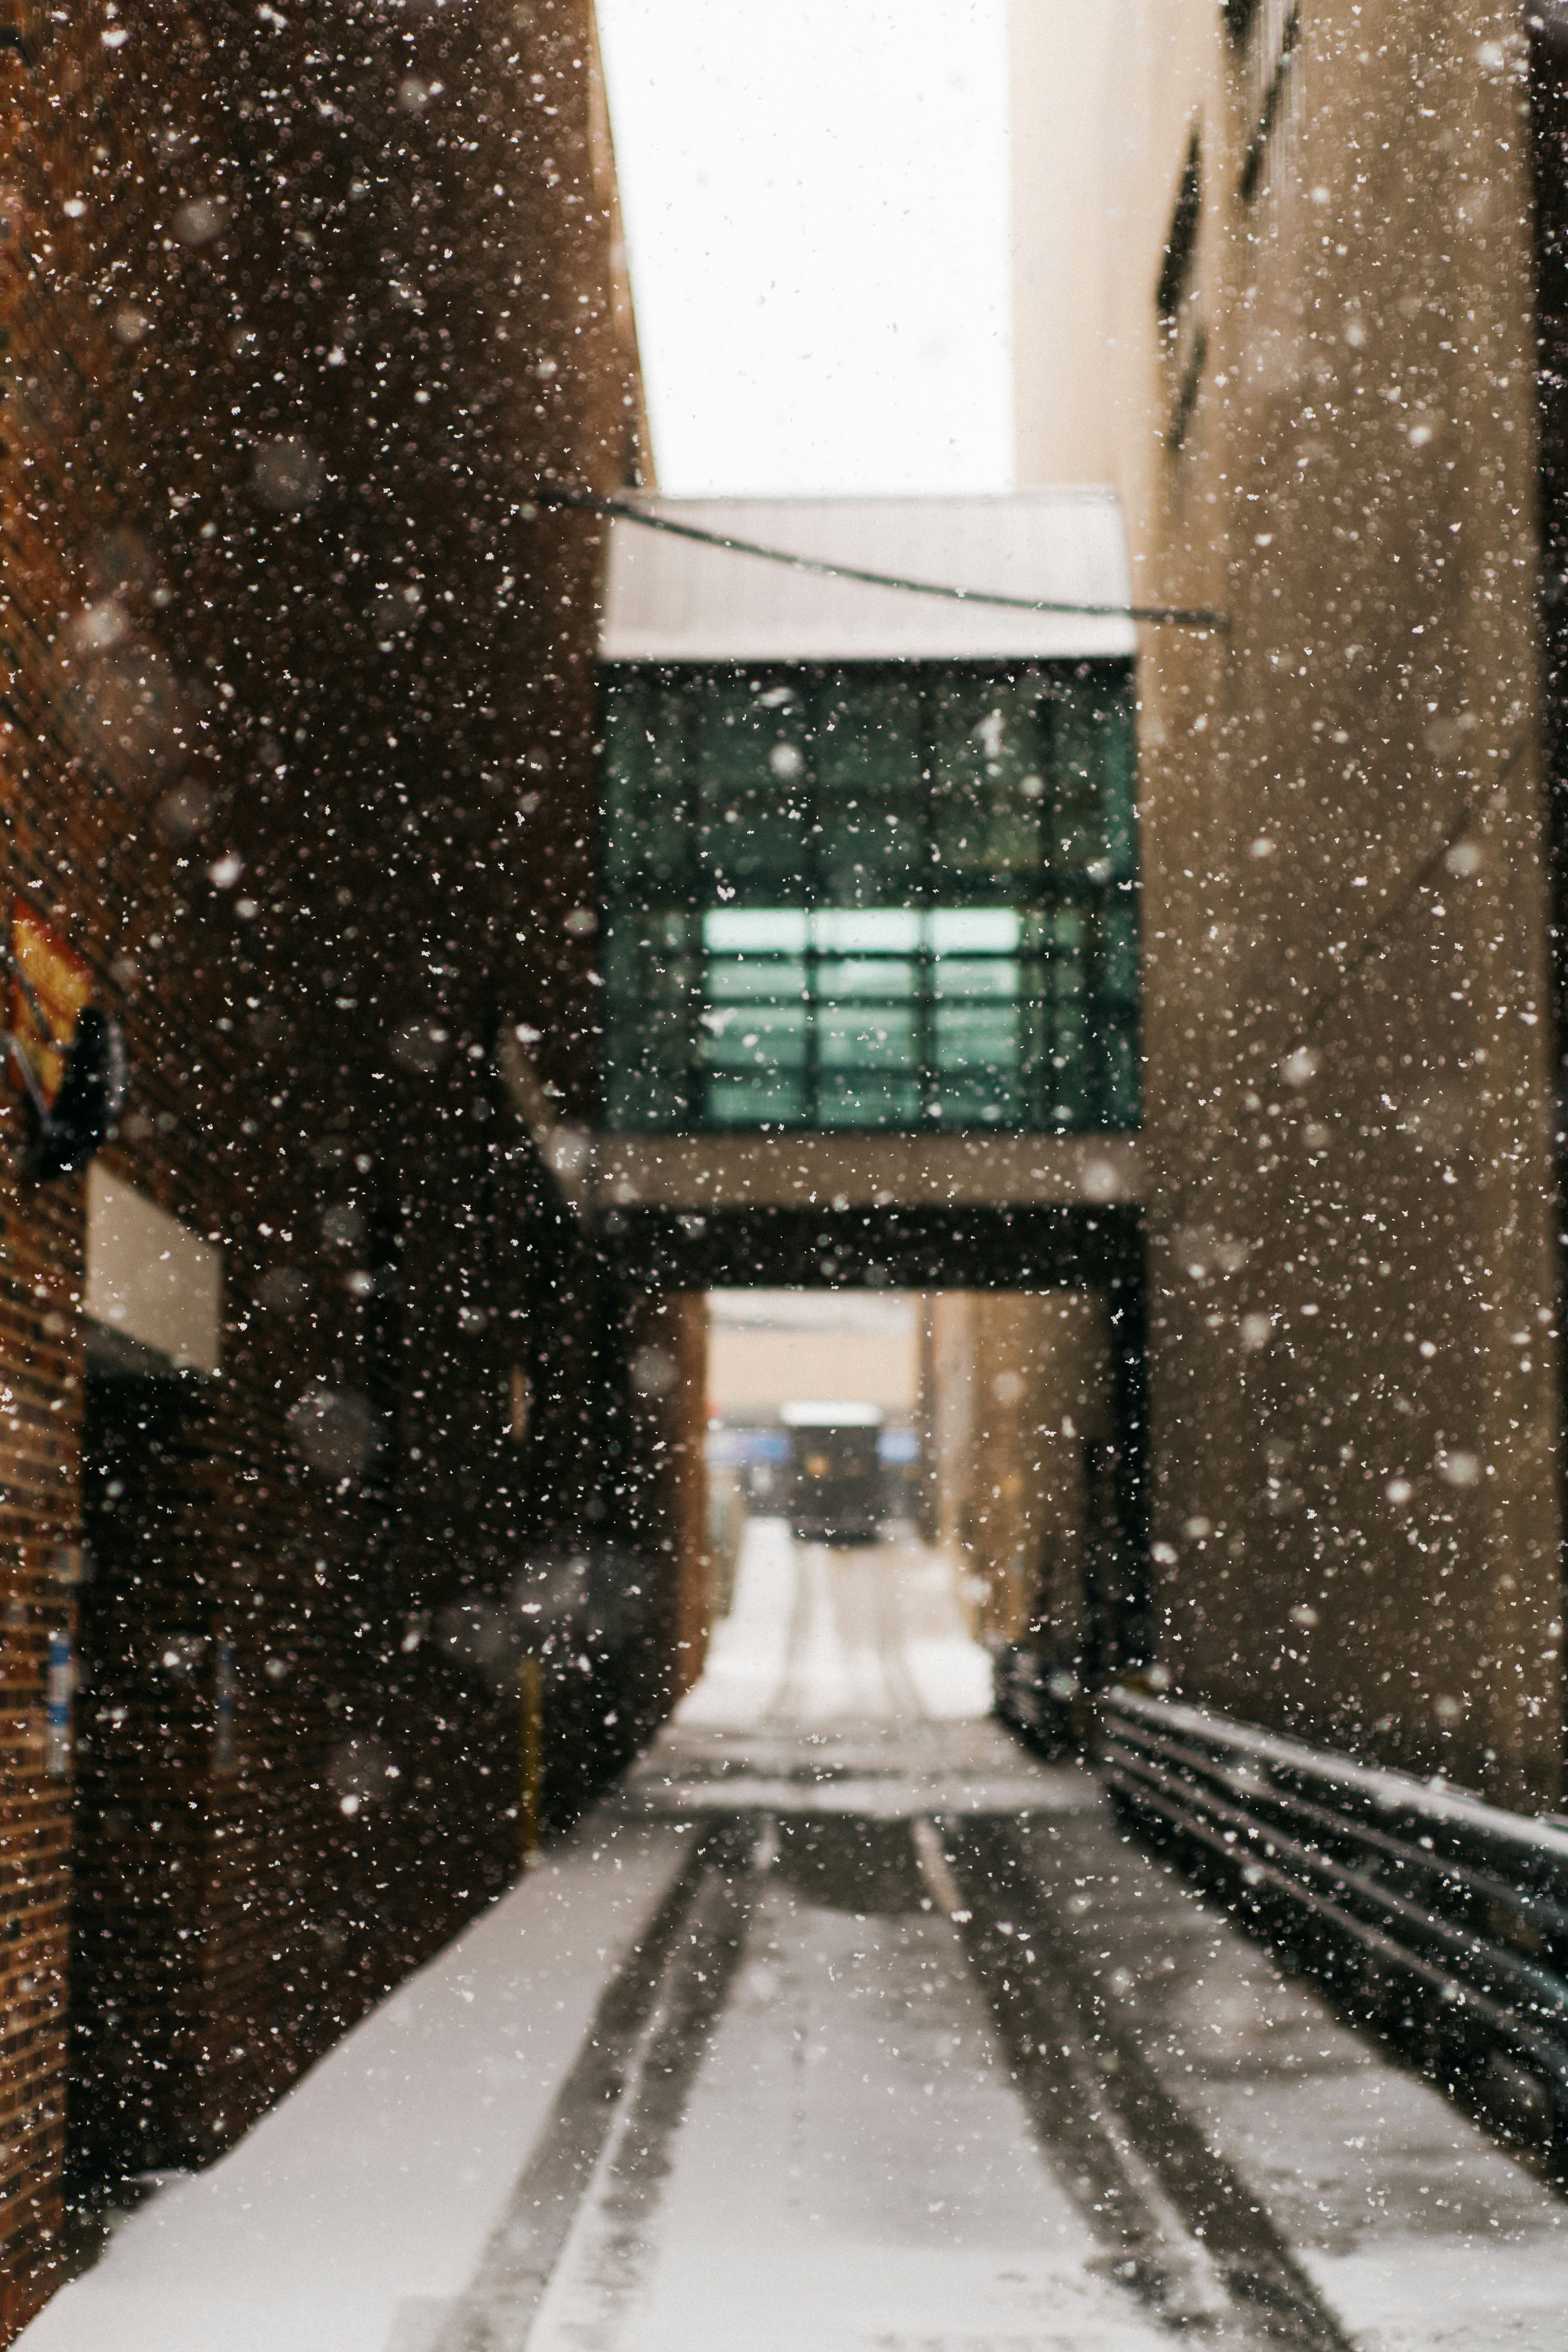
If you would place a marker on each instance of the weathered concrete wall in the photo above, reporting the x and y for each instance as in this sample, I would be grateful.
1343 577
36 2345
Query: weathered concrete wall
1356 1376
1017 1396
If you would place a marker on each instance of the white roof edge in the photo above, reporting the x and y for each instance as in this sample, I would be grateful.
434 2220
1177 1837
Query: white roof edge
672 599
826 1413
1052 493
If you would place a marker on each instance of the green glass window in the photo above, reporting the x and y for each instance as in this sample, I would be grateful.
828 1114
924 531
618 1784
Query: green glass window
898 897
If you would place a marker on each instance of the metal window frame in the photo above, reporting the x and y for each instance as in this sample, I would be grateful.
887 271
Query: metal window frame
692 892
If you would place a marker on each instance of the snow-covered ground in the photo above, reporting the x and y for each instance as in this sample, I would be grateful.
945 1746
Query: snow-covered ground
820 1635
853 2172
353 2213
818 2145
369 2192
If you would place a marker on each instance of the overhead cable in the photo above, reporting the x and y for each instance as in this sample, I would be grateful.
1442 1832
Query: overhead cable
1170 616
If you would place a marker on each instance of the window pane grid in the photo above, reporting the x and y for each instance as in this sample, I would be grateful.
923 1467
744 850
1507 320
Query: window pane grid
857 899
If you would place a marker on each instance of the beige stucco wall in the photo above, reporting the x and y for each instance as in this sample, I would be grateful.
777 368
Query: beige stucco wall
1015 1383
752 1371
1104 94
1355 1379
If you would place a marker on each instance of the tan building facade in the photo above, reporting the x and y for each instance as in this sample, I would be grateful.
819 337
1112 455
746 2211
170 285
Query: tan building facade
1016 1431
1275 281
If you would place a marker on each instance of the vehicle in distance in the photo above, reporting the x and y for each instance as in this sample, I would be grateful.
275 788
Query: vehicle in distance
836 1475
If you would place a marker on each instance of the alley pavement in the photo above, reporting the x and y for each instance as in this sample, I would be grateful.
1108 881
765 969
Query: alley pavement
843 2026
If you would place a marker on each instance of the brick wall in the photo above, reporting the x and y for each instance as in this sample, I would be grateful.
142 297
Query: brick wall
295 746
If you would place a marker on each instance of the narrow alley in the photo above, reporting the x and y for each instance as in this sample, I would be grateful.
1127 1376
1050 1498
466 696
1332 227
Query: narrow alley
783 1555
843 2024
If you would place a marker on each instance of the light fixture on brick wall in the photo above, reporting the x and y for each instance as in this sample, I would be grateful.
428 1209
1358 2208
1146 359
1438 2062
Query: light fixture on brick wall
66 1052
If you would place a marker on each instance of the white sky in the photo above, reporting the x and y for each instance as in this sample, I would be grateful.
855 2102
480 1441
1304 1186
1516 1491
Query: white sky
816 199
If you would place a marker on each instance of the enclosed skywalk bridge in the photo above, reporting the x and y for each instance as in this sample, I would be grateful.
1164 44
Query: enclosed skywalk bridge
869 869
870 915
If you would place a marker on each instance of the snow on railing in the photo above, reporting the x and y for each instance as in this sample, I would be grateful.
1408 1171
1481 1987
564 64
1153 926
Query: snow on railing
1440 1918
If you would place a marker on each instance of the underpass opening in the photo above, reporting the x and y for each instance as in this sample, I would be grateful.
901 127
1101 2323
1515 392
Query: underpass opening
905 1484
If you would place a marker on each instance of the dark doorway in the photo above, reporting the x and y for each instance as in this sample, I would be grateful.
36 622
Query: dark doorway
145 1719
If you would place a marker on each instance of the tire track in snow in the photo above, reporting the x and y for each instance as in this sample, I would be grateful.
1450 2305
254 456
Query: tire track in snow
1139 2164
497 2312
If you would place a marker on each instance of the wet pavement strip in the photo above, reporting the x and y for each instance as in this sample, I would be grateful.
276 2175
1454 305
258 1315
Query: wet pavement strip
499 2309
622 2204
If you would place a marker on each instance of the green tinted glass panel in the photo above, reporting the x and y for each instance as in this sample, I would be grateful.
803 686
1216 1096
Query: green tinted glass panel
1093 816
891 898
991 753
871 791
748 761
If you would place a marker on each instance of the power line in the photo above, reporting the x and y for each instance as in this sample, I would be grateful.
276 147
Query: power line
1171 616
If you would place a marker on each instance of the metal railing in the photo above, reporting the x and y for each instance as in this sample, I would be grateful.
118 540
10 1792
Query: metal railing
1438 1918
1034 1694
